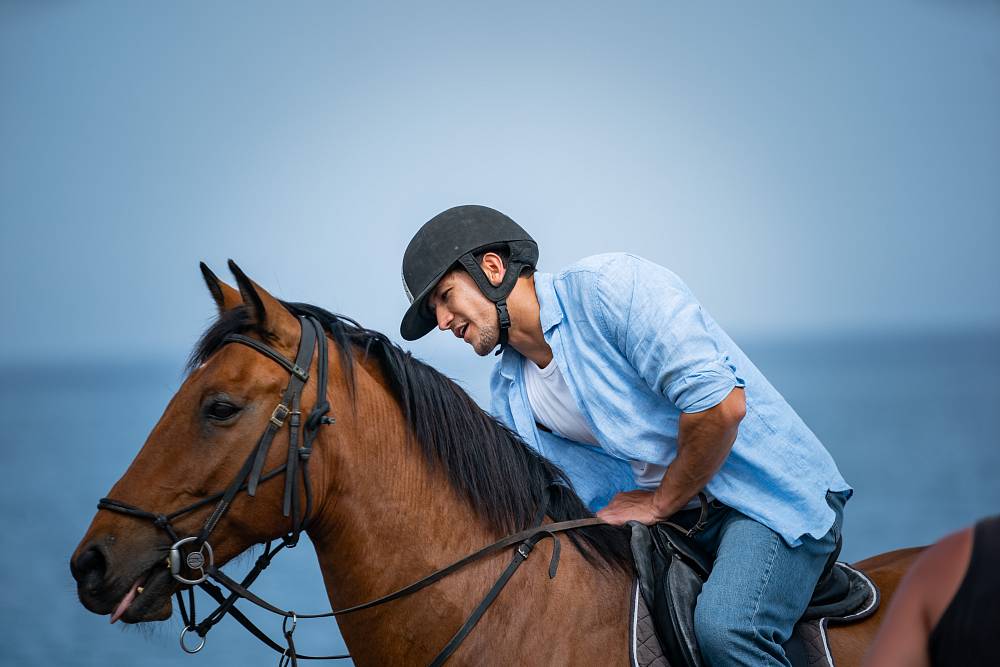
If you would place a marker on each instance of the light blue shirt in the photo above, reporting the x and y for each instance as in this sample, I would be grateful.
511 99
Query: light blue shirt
637 349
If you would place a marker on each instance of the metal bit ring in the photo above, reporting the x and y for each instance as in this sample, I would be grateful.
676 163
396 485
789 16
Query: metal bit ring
196 560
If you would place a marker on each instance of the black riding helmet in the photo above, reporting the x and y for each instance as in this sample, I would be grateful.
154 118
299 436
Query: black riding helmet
453 237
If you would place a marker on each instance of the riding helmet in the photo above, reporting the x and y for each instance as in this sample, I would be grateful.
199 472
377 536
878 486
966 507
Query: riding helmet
453 237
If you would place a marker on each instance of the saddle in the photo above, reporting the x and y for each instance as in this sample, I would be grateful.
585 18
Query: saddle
670 570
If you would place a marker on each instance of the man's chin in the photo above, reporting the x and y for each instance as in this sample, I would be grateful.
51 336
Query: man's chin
484 346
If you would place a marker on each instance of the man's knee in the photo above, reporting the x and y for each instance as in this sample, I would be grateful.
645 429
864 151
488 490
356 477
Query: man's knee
719 630
728 635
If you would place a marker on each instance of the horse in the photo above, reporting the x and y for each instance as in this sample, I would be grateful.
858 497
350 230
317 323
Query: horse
405 475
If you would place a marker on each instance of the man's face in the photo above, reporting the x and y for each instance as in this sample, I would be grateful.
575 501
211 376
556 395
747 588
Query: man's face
461 308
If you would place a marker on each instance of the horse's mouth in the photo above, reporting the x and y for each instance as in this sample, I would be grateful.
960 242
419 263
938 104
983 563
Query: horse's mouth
148 599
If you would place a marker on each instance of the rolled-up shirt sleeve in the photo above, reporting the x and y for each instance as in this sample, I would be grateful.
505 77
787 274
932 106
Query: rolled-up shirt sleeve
662 330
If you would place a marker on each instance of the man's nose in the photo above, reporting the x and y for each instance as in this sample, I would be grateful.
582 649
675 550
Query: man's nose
444 318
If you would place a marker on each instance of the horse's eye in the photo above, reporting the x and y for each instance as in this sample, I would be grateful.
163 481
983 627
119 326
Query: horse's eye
221 411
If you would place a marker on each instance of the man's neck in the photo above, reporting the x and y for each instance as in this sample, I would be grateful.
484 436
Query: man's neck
525 334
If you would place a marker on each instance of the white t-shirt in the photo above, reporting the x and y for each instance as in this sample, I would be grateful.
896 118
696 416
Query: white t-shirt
552 403
555 408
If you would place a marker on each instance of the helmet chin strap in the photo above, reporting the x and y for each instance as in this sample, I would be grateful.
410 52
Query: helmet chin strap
503 317
496 293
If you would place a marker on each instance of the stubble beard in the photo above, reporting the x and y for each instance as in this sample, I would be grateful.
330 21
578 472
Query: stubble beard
486 340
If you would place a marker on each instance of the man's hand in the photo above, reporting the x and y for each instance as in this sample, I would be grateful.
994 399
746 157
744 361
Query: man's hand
631 506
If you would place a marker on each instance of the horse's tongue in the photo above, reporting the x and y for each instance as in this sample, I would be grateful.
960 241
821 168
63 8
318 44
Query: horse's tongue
127 600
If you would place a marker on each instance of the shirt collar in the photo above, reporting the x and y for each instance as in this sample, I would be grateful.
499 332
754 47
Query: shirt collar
550 313
508 362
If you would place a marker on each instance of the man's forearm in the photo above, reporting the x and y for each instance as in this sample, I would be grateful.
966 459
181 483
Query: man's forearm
703 443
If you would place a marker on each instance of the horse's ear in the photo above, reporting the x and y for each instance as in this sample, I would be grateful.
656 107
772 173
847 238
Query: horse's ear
269 316
226 298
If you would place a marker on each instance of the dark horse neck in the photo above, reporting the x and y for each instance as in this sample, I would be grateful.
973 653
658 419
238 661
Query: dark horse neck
389 519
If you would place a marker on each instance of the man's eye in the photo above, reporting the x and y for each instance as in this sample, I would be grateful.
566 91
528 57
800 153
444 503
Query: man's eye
220 410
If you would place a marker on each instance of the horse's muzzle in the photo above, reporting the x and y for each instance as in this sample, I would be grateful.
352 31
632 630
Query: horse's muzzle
101 585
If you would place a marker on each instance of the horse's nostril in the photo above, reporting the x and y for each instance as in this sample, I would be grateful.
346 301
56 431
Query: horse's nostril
89 565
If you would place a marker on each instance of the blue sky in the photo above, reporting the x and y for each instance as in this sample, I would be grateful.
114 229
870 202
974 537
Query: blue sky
807 168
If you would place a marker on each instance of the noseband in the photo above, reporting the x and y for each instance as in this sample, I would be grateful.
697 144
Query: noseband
199 557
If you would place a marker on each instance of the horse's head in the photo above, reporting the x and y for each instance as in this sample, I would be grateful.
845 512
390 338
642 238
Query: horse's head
199 446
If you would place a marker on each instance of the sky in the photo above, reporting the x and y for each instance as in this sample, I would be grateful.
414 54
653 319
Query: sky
807 168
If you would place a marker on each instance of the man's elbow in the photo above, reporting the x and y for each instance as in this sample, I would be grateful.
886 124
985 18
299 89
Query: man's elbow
725 415
733 408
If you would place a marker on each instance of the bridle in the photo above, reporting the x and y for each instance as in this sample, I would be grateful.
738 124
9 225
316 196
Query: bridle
200 558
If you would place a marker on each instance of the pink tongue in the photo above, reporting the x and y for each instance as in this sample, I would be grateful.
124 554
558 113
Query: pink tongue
127 600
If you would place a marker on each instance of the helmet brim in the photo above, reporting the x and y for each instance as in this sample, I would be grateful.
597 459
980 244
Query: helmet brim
418 320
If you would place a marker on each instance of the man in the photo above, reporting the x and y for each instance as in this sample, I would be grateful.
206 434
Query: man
612 370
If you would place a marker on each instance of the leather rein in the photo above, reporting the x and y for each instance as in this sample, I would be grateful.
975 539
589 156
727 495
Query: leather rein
199 558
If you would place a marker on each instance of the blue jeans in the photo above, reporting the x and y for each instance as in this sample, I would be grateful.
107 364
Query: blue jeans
759 586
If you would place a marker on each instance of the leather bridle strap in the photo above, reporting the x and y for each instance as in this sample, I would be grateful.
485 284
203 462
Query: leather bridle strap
317 417
293 369
298 457
288 406
164 520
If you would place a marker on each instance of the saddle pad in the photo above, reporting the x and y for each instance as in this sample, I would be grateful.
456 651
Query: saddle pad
644 646
809 646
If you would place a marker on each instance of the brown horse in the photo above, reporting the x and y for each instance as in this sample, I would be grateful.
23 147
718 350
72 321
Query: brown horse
412 476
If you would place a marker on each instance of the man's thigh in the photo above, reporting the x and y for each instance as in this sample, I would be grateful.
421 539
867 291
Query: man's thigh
758 589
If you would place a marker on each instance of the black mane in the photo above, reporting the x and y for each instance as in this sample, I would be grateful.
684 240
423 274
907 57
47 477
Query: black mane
489 465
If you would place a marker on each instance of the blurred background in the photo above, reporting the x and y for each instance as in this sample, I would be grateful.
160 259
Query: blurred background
824 177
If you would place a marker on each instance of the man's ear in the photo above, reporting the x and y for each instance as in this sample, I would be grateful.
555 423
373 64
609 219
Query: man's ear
225 297
270 317
493 267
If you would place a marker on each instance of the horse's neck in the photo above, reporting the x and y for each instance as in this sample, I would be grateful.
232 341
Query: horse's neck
391 519
388 520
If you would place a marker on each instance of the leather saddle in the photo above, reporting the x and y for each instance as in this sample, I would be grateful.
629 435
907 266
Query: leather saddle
671 568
